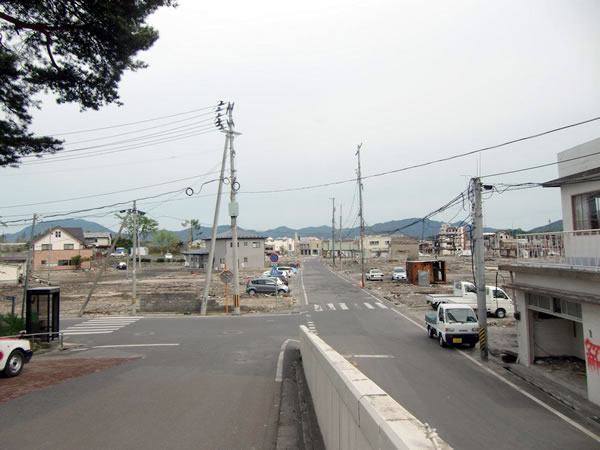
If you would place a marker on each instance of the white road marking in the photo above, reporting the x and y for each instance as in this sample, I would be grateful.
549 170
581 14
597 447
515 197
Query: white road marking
73 333
370 356
135 345
279 371
303 288
381 305
368 305
343 306
330 306
101 325
318 308
515 387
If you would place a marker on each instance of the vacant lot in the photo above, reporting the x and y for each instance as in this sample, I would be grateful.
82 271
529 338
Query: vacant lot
114 291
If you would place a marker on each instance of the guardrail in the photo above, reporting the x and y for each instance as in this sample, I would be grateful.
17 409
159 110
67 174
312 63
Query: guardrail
579 248
352 411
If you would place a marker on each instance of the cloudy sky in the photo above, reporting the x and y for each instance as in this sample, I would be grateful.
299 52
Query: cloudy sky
412 81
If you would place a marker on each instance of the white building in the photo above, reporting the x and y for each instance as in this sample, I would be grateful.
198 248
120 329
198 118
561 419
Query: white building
282 246
556 280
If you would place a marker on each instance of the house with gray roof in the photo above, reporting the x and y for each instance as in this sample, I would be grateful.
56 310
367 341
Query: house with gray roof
99 239
251 252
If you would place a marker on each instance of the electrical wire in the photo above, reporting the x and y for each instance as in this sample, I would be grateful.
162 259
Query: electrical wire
140 121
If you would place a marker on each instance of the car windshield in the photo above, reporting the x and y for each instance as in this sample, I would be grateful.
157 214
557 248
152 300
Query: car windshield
461 315
398 269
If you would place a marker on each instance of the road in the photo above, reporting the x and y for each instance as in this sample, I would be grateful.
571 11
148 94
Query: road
470 407
201 382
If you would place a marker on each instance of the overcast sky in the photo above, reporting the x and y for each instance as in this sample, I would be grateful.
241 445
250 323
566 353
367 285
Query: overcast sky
411 81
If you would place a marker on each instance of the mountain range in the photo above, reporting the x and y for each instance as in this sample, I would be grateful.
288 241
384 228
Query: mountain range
411 227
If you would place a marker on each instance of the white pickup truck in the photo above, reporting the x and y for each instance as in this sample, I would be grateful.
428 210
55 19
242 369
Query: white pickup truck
453 324
497 301
14 354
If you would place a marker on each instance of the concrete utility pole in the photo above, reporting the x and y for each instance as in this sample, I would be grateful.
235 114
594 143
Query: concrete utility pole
133 271
28 265
104 264
332 249
478 255
234 211
341 240
362 221
213 237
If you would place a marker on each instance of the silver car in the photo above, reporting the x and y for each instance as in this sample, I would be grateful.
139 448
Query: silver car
270 285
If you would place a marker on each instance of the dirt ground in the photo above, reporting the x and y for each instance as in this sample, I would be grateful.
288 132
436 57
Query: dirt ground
113 293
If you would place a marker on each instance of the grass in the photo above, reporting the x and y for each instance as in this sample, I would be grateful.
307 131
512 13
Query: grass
11 325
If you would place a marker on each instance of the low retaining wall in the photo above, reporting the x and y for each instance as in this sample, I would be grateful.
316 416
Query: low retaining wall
353 412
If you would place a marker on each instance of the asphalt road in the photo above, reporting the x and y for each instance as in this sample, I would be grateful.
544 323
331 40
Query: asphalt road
216 388
469 407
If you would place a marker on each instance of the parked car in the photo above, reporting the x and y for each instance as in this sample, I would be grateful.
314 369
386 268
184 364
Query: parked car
168 256
288 270
14 354
399 273
375 274
283 276
122 265
270 285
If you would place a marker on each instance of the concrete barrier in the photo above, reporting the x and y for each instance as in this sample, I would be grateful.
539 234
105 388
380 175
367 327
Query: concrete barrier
352 411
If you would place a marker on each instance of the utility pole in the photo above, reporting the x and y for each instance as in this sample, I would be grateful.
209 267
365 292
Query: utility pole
133 272
233 211
362 222
478 255
28 265
332 249
341 240
213 237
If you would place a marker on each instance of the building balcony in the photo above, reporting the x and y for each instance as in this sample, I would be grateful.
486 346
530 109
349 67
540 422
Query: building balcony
580 249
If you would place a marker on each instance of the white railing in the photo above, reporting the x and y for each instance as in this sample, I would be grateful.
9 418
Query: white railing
573 248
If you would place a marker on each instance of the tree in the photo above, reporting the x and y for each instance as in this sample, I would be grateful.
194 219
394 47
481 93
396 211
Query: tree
165 240
76 49
194 225
145 225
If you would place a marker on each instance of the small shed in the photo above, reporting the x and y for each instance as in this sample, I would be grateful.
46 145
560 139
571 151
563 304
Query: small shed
436 269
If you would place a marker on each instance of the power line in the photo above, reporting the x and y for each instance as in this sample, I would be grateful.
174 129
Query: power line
140 121
110 193
132 147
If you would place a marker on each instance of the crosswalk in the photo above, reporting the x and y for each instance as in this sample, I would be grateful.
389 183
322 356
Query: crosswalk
100 325
348 306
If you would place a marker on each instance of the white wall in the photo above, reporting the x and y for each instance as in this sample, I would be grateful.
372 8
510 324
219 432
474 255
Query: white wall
582 164
591 336
9 273
58 243
557 337
352 411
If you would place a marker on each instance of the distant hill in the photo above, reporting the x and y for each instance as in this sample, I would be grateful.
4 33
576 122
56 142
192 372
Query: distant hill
410 227
553 226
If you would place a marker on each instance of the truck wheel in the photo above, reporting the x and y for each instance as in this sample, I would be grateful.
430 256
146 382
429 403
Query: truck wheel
442 342
430 332
14 364
500 313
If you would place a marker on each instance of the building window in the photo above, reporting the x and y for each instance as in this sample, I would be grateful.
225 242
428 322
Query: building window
69 246
57 234
373 242
245 259
586 211
231 244
255 245
64 262
245 243
43 262
46 246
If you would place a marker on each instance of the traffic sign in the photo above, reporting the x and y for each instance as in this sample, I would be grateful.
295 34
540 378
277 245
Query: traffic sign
274 257
226 276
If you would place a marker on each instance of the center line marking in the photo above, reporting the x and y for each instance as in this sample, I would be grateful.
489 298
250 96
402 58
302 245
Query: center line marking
135 345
